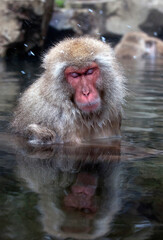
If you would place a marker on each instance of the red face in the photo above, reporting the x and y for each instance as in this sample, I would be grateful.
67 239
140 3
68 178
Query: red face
83 81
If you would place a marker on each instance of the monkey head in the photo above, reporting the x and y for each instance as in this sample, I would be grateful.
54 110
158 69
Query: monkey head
85 66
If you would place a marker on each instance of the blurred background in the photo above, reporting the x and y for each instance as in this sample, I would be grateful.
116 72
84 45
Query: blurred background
33 24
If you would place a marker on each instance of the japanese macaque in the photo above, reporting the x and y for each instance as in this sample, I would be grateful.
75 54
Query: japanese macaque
79 96
139 45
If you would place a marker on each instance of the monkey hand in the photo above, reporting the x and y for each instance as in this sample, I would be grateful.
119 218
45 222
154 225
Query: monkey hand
40 135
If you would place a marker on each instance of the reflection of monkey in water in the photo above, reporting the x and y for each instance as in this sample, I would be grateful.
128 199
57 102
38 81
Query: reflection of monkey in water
82 193
78 188
139 45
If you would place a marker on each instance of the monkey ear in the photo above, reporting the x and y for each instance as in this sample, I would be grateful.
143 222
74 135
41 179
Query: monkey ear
49 63
45 60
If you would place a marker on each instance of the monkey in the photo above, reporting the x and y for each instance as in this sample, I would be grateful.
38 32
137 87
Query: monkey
139 45
79 96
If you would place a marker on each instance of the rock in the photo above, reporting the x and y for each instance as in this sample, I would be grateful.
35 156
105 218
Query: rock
124 16
119 17
81 21
24 22
109 20
81 18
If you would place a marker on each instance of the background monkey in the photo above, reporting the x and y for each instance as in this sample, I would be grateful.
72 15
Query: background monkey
78 97
139 45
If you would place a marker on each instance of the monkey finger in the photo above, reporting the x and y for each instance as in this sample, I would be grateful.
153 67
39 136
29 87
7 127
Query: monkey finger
39 134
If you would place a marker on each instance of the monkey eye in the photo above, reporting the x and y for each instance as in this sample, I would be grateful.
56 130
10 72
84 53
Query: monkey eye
90 71
74 74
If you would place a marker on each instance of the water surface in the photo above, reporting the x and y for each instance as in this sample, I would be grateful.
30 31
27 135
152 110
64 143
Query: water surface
107 190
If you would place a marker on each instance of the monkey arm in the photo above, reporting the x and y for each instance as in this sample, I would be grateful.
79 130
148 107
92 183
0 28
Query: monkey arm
39 134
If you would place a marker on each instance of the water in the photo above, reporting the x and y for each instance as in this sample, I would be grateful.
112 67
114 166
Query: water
95 191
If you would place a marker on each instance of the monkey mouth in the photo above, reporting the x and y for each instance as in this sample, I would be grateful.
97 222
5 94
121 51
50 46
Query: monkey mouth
88 107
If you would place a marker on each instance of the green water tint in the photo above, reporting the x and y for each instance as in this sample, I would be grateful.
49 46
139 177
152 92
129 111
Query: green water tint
108 189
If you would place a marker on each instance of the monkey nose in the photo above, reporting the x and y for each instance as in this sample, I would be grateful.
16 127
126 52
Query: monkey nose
85 91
